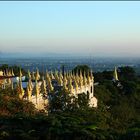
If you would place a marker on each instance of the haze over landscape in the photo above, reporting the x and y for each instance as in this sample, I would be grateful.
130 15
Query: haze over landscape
70 28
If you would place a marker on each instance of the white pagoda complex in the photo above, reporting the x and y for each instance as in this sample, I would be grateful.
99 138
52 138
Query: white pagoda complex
37 88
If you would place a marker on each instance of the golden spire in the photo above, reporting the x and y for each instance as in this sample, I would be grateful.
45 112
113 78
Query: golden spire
81 79
37 75
116 74
49 82
67 75
20 89
72 75
70 86
47 75
29 89
56 75
20 73
50 86
51 75
33 76
36 90
84 79
60 75
60 81
88 79
9 73
91 75
30 85
75 84
28 93
12 72
29 74
43 87
77 78
65 84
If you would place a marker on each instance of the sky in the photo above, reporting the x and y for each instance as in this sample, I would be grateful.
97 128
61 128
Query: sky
80 28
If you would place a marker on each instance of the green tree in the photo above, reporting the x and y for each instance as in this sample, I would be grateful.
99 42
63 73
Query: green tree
61 101
127 74
82 68
129 87
11 105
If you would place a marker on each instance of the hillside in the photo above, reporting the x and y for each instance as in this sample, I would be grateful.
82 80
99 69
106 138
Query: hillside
117 115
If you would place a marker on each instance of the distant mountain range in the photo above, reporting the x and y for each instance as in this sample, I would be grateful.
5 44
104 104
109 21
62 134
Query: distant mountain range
25 55
62 55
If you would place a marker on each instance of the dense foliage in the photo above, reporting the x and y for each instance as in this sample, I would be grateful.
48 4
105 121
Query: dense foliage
81 68
117 115
11 105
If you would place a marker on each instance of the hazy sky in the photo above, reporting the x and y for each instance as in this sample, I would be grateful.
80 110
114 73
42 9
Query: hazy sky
94 28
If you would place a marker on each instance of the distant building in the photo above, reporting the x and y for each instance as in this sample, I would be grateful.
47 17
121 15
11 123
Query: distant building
116 79
115 75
